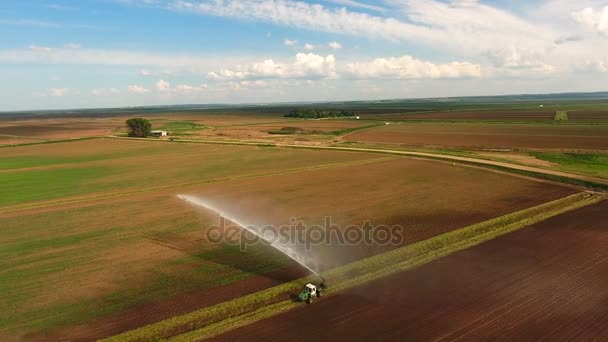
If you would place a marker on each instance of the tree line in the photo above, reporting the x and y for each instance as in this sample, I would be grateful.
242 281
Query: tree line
312 113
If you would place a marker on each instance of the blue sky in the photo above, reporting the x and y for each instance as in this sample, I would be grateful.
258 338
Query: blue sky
105 53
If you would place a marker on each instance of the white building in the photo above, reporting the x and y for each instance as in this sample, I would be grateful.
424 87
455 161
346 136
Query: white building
160 133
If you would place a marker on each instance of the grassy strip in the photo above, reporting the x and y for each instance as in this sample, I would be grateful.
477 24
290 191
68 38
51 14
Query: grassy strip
244 310
354 129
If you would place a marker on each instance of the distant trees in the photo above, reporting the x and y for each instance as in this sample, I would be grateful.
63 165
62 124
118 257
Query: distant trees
313 113
138 127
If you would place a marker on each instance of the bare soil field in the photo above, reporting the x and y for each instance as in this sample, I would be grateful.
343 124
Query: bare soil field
497 115
397 192
588 115
480 136
93 267
13 140
545 282
60 128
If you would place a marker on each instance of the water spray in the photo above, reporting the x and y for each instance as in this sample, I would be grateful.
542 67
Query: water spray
286 250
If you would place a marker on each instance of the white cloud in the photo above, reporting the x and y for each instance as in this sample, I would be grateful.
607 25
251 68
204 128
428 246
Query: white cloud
148 63
597 65
289 42
516 59
309 47
27 22
43 49
73 46
306 16
60 7
305 66
166 88
105 91
188 89
465 27
357 4
137 89
334 45
595 20
408 67
58 92
163 86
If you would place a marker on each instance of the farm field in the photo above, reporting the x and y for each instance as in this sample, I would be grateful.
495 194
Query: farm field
487 136
546 281
190 126
284 131
499 115
404 197
47 129
53 171
138 257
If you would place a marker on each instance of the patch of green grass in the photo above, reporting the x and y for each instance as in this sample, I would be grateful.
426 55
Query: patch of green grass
25 186
561 116
181 126
584 163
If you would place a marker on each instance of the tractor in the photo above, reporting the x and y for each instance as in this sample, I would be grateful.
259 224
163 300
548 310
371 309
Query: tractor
310 291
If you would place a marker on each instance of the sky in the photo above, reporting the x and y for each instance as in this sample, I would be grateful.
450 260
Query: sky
58 54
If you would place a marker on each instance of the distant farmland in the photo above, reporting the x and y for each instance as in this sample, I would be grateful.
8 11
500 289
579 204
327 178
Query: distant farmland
480 136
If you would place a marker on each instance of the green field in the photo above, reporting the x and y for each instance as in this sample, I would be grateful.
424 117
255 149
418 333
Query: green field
135 165
582 163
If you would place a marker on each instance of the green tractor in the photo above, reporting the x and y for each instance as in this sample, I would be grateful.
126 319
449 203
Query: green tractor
310 291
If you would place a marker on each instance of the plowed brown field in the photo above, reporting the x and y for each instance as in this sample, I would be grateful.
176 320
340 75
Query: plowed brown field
545 282
498 115
488 136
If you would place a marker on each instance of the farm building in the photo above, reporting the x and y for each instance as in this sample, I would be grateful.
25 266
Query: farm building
160 133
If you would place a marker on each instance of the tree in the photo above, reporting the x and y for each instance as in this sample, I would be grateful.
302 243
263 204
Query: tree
139 127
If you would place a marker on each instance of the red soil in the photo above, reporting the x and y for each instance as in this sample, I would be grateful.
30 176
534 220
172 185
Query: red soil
545 282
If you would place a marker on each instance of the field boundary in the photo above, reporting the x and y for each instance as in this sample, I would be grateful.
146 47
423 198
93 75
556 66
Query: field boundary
214 320
43 141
